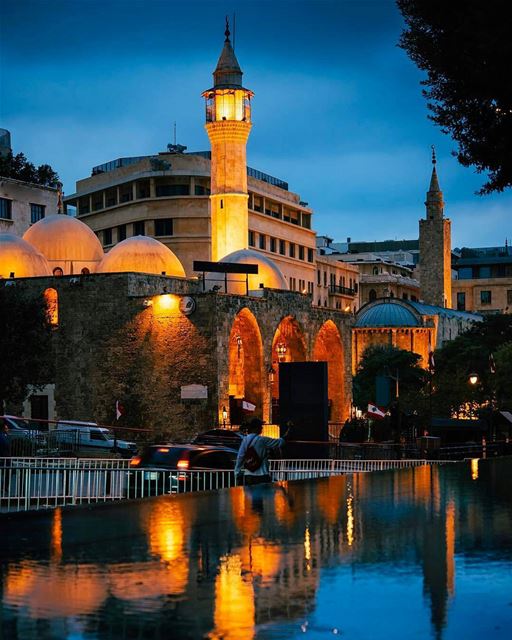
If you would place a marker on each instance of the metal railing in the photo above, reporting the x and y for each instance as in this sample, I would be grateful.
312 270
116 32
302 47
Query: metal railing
46 483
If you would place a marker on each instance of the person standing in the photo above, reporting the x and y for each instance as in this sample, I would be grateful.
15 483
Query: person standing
252 460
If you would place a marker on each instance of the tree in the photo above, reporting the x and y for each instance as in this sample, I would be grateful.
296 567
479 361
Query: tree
26 345
378 360
20 168
465 49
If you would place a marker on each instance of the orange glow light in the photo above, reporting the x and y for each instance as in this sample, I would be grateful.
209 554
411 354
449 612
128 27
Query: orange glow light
183 464
163 450
134 462
166 304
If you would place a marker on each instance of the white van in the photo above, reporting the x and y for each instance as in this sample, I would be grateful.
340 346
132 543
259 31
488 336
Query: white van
87 435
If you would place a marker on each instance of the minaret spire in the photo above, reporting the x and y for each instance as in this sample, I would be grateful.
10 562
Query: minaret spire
227 33
434 203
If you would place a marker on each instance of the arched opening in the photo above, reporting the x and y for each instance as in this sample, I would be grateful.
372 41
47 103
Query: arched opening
329 348
51 299
246 380
372 295
288 345
58 272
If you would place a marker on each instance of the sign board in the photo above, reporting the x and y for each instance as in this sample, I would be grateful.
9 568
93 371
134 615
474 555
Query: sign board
194 392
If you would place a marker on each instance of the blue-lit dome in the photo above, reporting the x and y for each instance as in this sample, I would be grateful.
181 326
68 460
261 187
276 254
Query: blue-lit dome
387 314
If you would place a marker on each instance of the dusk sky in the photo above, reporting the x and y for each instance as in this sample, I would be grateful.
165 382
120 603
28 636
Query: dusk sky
337 113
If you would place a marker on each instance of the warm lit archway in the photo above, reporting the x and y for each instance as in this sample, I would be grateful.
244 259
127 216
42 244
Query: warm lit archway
246 380
329 348
51 299
288 345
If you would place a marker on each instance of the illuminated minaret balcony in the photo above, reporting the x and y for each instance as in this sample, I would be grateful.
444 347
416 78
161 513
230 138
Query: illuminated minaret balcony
228 124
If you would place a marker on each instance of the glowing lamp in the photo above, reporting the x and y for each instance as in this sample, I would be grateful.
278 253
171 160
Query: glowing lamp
183 464
473 379
281 351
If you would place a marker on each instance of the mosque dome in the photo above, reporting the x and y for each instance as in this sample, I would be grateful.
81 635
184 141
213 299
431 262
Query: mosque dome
64 238
386 313
21 258
269 275
141 254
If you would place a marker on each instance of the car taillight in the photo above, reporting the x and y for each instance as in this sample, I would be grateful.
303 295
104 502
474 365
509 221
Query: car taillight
163 450
134 462
183 464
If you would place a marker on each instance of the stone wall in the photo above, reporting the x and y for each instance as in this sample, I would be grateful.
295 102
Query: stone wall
435 262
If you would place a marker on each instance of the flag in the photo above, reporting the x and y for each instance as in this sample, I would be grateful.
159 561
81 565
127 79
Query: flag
431 361
119 410
492 364
374 412
248 406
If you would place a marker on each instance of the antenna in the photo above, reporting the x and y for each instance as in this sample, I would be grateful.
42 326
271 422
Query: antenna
234 30
175 133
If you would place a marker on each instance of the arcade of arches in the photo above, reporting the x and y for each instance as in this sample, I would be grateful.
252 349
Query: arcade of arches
254 365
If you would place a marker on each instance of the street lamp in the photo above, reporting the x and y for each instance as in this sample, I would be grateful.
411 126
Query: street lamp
473 379
271 375
224 416
281 351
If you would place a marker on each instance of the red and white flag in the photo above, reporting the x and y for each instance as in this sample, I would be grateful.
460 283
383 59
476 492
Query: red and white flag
492 364
375 413
119 410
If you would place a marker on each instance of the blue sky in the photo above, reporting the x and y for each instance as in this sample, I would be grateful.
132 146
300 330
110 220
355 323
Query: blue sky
338 110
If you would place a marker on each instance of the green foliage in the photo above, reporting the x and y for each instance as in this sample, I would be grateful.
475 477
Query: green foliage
465 49
20 168
26 344
469 353
379 360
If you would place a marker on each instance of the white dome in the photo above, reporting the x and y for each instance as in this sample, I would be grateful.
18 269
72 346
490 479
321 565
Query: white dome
269 275
141 254
62 238
21 258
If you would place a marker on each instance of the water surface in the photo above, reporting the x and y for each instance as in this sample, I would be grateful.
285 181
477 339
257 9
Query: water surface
415 553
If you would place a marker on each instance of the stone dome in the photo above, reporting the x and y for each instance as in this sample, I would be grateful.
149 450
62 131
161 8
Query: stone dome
64 238
269 274
21 258
141 254
386 313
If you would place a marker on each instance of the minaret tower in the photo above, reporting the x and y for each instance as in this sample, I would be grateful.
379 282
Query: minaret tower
228 123
435 247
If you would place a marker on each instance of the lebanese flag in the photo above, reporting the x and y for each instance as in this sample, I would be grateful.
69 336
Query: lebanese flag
375 413
119 410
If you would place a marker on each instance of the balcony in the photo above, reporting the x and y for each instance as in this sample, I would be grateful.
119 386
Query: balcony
335 289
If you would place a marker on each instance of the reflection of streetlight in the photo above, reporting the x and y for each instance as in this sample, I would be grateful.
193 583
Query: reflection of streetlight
473 379
224 416
281 351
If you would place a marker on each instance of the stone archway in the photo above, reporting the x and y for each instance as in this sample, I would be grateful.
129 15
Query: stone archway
329 348
246 379
288 345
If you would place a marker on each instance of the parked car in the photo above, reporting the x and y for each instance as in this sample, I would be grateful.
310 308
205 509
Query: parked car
24 439
171 467
220 437
87 435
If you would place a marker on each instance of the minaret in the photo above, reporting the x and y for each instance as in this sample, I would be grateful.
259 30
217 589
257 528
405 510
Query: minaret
435 247
228 123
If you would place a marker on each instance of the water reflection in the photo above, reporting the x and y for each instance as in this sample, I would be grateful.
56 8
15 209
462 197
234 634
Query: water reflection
273 561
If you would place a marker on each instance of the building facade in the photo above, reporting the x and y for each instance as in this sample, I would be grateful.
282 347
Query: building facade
23 203
483 281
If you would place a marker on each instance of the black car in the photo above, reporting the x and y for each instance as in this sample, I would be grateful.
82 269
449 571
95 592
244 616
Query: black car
220 437
176 468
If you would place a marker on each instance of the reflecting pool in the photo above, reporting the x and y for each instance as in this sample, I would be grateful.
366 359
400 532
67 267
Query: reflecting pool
415 553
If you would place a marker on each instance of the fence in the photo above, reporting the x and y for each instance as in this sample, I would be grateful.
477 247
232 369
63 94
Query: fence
45 483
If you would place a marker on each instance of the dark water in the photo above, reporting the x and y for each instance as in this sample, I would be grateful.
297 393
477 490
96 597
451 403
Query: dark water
419 553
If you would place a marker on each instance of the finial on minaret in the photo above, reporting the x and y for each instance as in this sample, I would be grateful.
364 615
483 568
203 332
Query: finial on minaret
434 160
59 197
227 32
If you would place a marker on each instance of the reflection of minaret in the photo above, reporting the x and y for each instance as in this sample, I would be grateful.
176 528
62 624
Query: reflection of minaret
228 124
435 247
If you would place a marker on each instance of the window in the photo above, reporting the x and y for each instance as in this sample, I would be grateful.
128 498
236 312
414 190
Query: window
126 192
291 250
200 190
484 272
372 295
36 212
301 252
282 247
107 236
258 204
461 301
509 296
310 287
325 278
273 245
306 220
83 205
375 271
404 296
97 201
85 271
111 197
310 255
143 189
139 228
465 273
319 277
293 284
302 286
5 209
251 239
414 298
121 232
51 299
163 227
485 297
58 272
263 241
163 190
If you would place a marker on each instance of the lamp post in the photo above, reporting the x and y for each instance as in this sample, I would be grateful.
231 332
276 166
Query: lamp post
224 416
271 377
281 350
